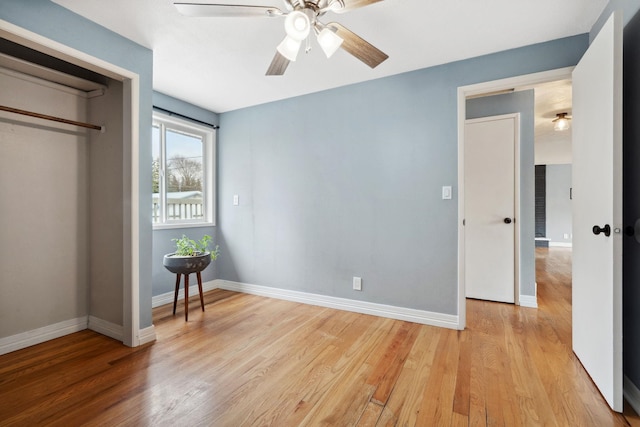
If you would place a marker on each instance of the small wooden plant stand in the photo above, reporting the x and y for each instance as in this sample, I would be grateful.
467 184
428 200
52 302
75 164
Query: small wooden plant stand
186 293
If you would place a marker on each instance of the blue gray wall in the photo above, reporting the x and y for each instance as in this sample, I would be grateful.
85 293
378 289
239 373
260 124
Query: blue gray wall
162 280
57 23
631 198
347 182
522 102
558 204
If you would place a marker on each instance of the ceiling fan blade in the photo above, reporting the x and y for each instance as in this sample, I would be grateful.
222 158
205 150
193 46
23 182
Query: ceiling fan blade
342 6
278 65
225 10
359 47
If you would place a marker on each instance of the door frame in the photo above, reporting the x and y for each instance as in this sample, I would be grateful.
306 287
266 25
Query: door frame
516 194
131 136
479 89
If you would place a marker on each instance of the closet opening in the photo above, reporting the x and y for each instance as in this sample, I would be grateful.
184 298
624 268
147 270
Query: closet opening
69 189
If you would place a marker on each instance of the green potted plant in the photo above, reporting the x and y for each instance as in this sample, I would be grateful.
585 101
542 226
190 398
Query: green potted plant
191 256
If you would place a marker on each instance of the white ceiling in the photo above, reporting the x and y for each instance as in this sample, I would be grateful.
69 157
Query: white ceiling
219 63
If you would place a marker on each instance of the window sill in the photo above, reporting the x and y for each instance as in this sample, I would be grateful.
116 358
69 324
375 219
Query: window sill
183 225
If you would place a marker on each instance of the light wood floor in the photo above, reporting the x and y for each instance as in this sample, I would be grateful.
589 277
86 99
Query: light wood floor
250 360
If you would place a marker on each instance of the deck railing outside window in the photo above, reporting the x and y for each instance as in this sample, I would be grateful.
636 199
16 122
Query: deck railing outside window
179 208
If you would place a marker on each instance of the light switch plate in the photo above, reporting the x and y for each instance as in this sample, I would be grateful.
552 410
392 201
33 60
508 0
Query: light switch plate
446 192
236 200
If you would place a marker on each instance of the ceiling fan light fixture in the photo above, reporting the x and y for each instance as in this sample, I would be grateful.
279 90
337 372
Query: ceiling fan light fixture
329 41
289 48
297 25
561 122
335 5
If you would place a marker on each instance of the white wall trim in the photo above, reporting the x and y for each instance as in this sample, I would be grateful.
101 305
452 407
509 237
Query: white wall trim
530 301
167 297
40 335
131 122
632 394
56 49
381 310
106 328
478 89
560 244
147 335
131 111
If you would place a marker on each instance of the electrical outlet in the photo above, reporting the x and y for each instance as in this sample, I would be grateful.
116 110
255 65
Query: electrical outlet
357 283
566 236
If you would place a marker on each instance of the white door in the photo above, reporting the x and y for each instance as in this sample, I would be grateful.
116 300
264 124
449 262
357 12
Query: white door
489 203
597 202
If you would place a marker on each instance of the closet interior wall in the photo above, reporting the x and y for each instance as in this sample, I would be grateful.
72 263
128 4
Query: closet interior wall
106 206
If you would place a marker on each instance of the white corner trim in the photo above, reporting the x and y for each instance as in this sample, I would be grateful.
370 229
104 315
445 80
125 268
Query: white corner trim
632 394
106 328
40 335
382 310
147 335
529 301
167 297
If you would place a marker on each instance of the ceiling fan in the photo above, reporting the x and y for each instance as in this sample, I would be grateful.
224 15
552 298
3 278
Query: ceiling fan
301 17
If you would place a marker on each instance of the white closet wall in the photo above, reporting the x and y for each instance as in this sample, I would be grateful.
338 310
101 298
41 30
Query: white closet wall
44 242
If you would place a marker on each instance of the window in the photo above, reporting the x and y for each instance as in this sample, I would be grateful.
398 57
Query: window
182 173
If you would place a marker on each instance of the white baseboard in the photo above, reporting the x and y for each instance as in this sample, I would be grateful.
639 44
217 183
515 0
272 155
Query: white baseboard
632 394
40 335
167 298
57 330
106 328
529 301
148 334
400 313
560 244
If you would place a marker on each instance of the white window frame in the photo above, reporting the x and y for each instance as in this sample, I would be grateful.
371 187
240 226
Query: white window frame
208 135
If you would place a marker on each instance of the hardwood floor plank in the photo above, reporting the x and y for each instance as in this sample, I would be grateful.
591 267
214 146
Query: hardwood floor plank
388 368
436 403
461 400
403 405
477 388
371 415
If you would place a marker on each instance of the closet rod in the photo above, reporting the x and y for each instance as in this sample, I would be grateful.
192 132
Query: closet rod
52 118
